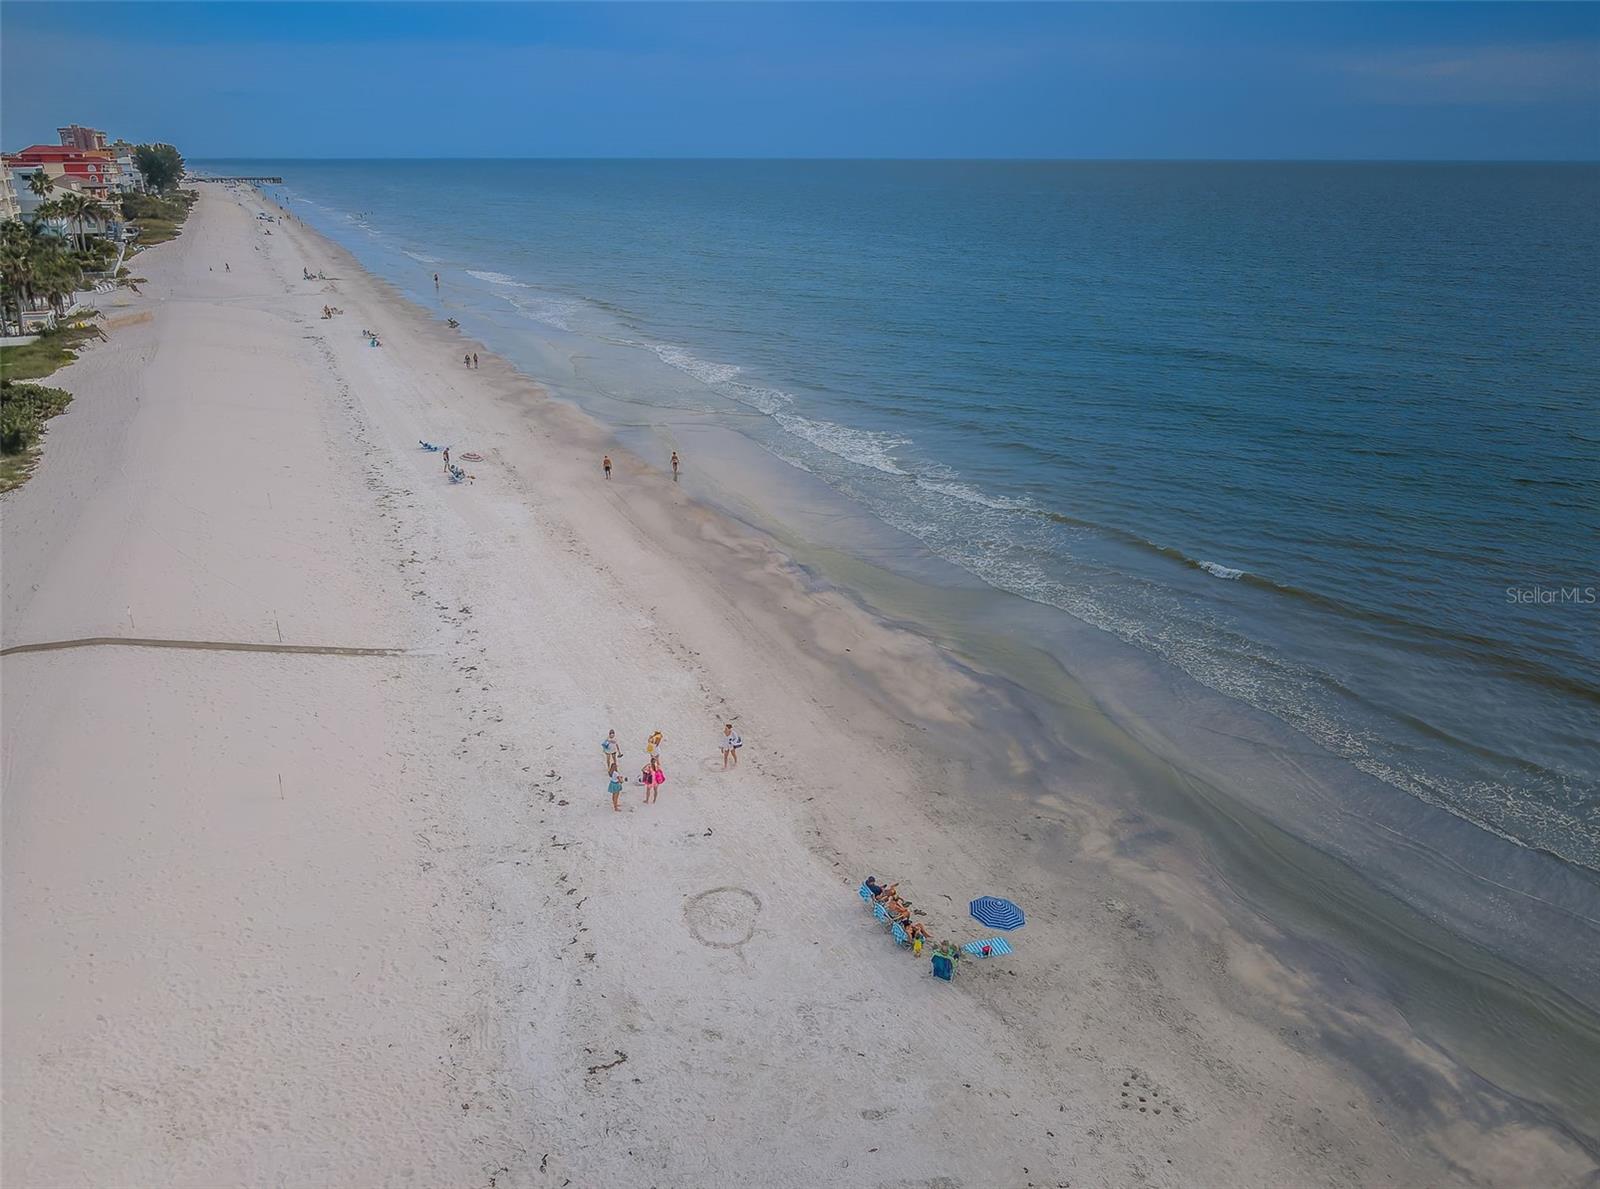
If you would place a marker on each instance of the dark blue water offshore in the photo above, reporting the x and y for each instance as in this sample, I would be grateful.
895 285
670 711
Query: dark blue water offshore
1324 436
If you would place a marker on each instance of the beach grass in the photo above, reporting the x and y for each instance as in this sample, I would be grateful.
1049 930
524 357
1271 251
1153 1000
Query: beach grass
52 350
157 219
156 231
15 468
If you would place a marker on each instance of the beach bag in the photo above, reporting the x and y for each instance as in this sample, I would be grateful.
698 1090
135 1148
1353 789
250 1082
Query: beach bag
943 967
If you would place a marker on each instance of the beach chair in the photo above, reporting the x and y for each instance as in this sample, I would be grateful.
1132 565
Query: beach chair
865 893
881 913
898 932
996 946
943 967
457 474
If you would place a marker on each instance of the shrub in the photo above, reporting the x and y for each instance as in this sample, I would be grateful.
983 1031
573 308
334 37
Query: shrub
24 408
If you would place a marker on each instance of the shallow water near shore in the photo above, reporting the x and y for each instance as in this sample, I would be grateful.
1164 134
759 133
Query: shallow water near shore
1294 614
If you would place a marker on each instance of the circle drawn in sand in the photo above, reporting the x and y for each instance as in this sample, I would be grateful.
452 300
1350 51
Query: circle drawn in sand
723 918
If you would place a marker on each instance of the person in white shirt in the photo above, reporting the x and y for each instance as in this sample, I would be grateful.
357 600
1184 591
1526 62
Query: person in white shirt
730 743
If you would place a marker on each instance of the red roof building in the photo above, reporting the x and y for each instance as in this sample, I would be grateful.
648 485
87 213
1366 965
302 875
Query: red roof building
94 170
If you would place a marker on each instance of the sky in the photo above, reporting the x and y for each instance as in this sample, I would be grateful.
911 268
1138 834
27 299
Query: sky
1049 80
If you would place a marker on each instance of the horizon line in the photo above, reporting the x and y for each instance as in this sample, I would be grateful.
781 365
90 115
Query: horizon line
976 160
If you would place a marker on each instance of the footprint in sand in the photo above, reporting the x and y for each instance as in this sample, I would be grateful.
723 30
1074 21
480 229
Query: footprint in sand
1139 1093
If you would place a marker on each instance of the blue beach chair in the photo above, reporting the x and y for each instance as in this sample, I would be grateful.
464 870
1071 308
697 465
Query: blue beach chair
866 893
881 913
898 932
943 967
997 948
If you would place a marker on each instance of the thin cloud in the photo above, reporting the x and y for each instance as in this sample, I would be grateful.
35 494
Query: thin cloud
1480 75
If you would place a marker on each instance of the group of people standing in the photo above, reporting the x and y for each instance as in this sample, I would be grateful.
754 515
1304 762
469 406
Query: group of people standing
652 776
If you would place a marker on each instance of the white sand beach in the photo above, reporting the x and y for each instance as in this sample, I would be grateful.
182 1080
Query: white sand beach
357 917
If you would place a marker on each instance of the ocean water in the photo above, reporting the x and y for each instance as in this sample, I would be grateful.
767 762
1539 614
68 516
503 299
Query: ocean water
1293 468
1322 436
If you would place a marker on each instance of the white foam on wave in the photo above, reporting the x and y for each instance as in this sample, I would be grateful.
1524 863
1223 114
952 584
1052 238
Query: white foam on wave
552 311
864 447
1220 571
703 370
420 257
971 495
497 278
723 377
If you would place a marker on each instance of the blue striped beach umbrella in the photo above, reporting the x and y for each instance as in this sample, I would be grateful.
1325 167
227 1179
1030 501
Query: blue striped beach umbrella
996 913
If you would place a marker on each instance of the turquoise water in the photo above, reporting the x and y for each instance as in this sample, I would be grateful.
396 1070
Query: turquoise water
1322 436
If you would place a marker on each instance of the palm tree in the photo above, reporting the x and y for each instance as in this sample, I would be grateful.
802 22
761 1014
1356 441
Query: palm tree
41 183
47 212
56 276
79 208
16 265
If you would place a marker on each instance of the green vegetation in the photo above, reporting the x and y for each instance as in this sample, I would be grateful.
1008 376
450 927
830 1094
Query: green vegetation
24 408
34 263
154 206
53 349
160 164
156 231
157 218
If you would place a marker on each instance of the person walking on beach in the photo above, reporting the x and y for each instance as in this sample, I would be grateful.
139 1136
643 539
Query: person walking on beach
652 745
731 743
614 787
474 361
447 460
466 362
610 749
674 466
657 778
606 464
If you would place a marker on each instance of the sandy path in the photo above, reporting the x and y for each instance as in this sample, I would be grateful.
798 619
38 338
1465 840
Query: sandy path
347 919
